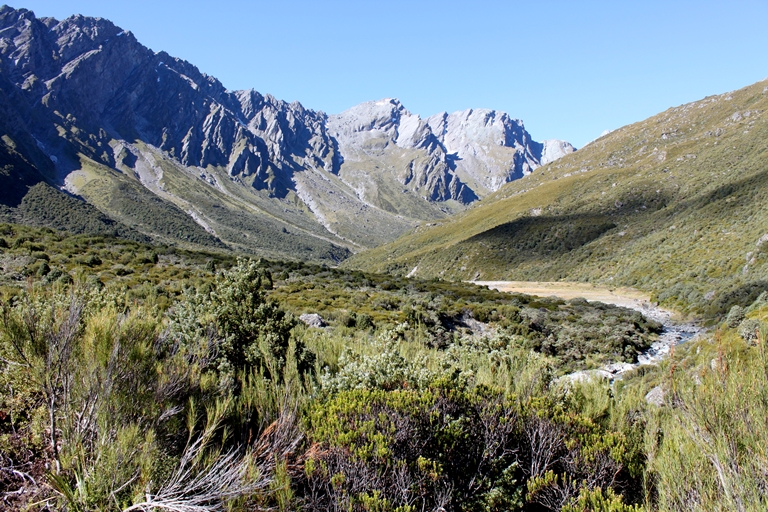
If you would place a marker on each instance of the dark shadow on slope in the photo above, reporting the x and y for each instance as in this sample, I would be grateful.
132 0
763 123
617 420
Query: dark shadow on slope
264 233
44 206
749 191
152 214
16 178
532 238
742 295
537 150
451 159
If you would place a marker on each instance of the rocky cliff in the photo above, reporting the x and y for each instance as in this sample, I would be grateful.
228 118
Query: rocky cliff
85 107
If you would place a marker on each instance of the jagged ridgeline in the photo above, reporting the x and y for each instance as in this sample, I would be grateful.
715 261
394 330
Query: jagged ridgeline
676 204
163 150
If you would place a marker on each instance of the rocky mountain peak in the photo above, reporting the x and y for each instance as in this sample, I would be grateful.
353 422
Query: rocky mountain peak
487 147
382 115
478 126
386 120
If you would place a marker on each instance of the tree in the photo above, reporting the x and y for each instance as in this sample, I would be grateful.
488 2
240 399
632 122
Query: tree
247 330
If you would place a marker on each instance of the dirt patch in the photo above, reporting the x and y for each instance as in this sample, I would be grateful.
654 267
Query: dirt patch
626 297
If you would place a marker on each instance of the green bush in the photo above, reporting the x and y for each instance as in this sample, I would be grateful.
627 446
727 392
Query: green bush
42 269
363 321
455 448
105 399
251 332
387 370
92 260
749 330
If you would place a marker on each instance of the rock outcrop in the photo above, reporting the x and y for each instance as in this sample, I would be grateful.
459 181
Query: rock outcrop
382 132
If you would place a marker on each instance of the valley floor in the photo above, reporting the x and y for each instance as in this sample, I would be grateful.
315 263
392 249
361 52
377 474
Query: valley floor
625 297
675 331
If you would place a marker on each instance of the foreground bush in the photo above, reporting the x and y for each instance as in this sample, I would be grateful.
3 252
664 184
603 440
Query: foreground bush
707 447
454 448
107 396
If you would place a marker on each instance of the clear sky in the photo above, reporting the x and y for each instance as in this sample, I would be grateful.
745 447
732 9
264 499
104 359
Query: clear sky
568 69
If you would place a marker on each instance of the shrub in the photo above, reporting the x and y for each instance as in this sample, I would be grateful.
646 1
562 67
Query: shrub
146 258
39 255
42 269
92 260
451 447
749 330
363 321
249 331
593 500
121 270
410 448
708 451
761 301
256 331
106 391
387 370
735 316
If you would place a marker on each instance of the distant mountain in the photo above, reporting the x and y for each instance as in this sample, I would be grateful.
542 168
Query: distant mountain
165 150
676 204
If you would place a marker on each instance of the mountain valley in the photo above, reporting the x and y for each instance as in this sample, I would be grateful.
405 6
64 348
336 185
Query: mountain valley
163 149
674 205
217 300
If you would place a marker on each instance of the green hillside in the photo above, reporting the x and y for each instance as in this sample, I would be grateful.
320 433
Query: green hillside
676 204
183 210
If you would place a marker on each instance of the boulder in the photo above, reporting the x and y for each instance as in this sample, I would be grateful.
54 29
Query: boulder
655 396
313 320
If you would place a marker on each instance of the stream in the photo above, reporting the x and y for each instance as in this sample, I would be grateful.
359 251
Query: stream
673 333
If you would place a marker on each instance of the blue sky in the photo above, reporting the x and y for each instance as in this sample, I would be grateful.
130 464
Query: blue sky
568 69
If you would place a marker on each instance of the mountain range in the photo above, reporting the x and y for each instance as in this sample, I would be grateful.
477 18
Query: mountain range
100 133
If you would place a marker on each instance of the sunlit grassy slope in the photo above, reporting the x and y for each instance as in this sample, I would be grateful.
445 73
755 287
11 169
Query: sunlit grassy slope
676 205
167 210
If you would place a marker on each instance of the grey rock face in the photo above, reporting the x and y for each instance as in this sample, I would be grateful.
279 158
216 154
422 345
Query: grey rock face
313 320
83 86
554 149
380 130
489 148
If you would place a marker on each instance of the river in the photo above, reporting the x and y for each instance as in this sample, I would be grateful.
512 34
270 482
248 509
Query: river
674 332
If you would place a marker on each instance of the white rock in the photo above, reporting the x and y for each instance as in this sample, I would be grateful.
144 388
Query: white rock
555 149
313 320
655 396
